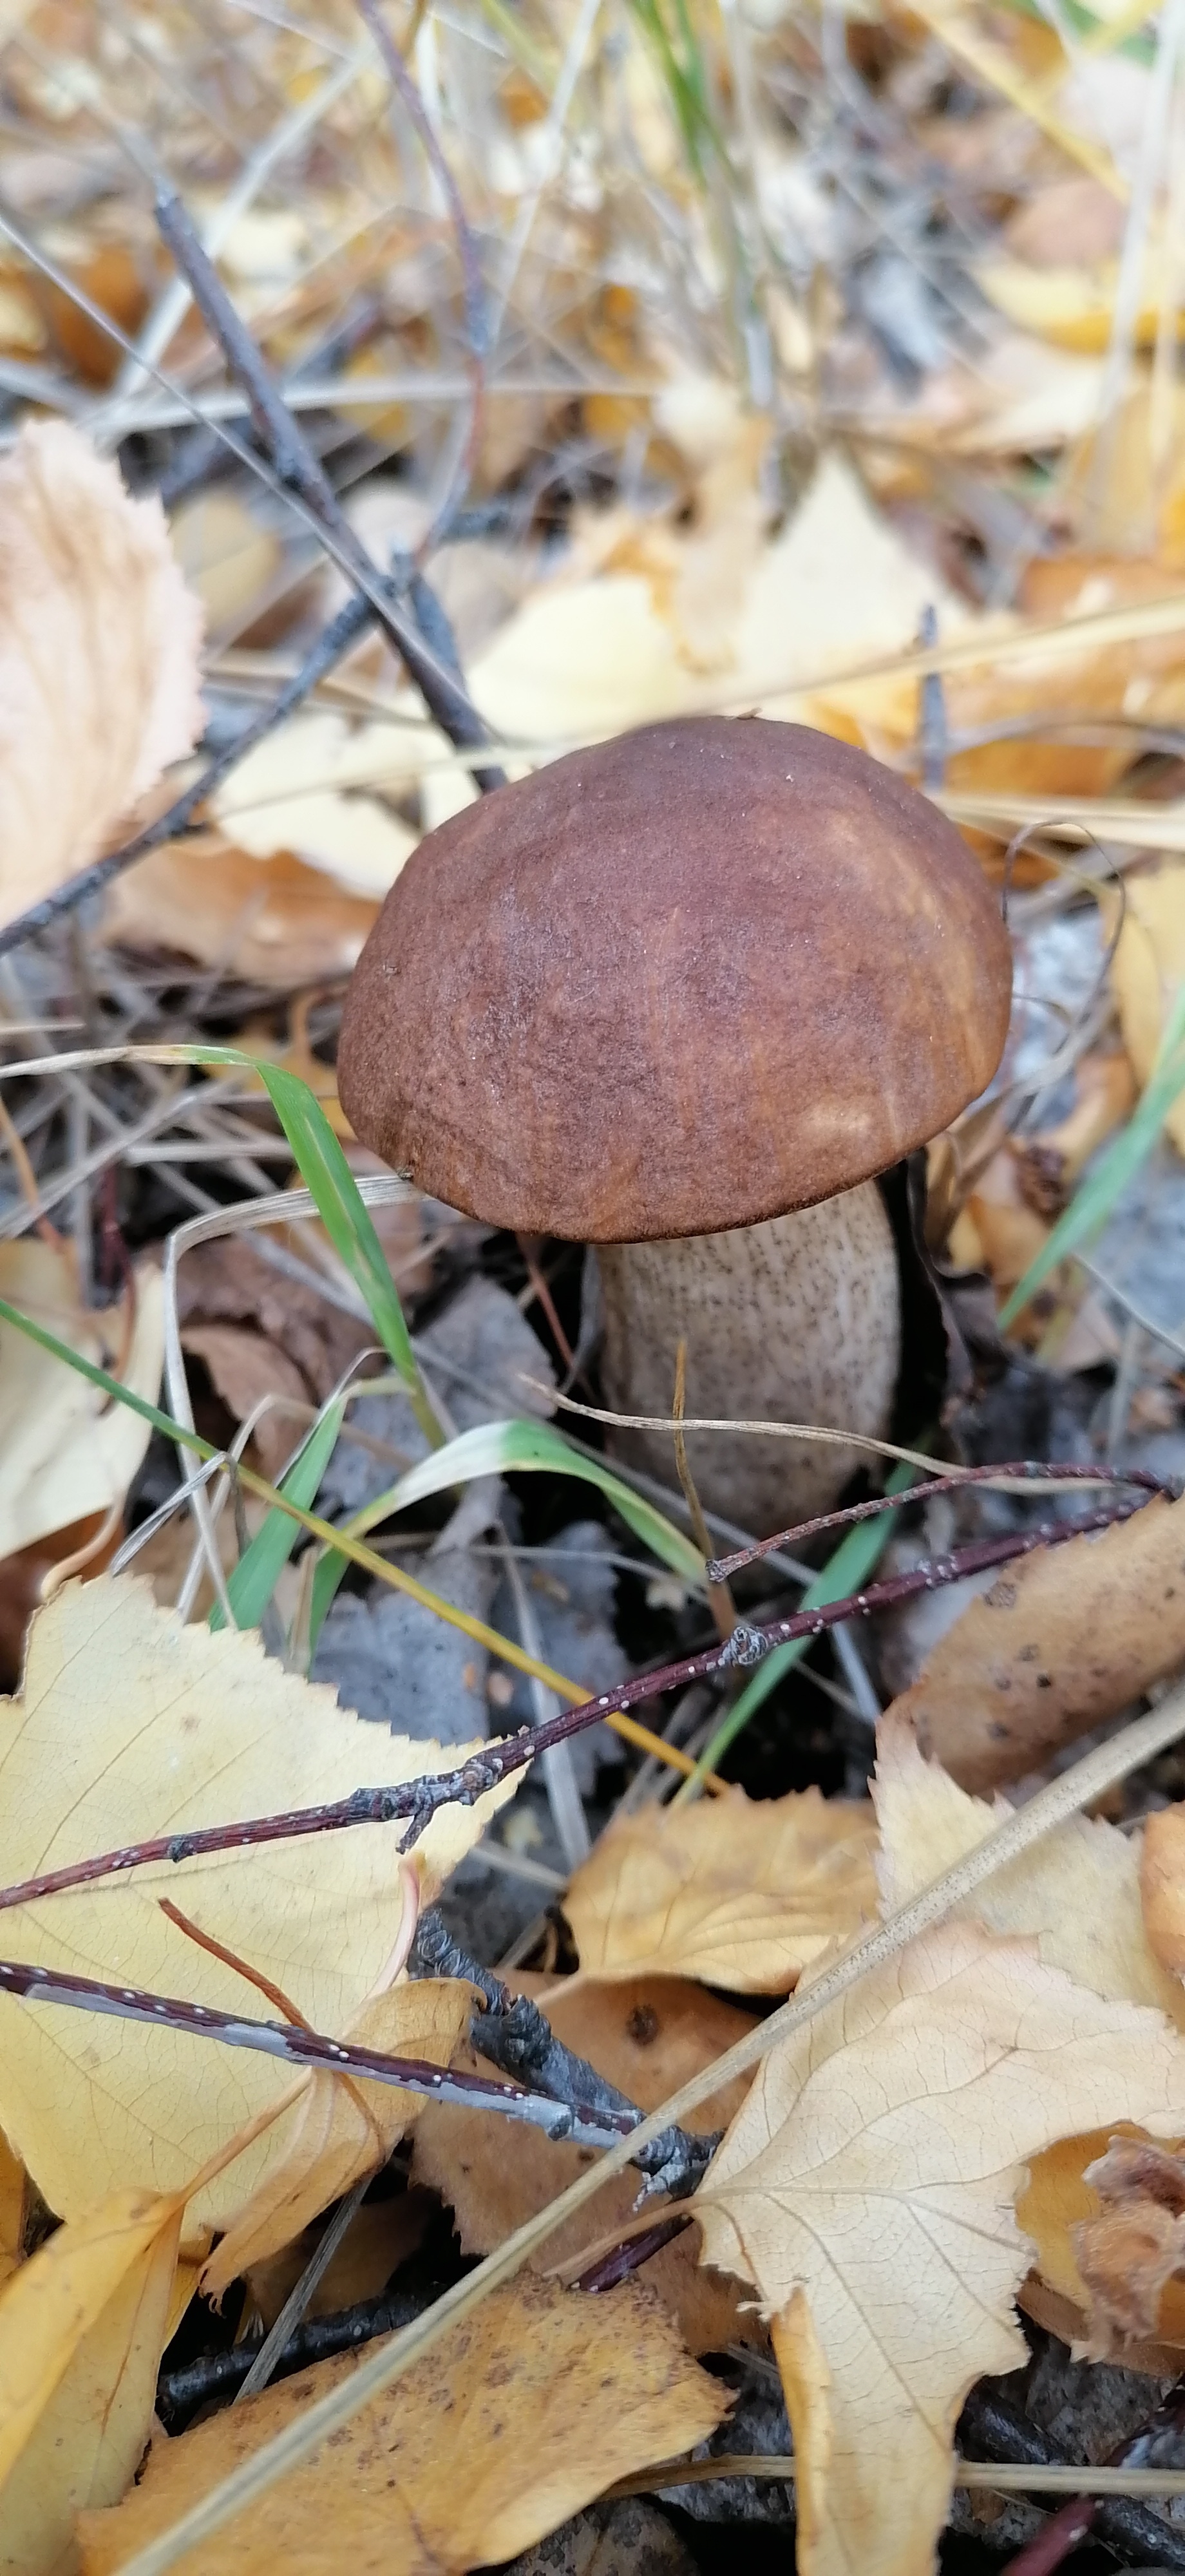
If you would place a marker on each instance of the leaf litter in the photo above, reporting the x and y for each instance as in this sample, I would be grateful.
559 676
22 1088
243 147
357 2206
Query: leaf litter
853 401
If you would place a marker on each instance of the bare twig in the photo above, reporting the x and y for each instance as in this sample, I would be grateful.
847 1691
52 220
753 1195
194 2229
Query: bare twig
1033 1475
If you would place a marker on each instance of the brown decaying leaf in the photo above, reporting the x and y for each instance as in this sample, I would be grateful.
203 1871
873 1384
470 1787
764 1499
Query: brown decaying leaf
1056 2205
520 2415
272 921
131 1725
1060 1643
98 658
82 2328
738 1892
873 2168
381 2235
646 2036
1136 2243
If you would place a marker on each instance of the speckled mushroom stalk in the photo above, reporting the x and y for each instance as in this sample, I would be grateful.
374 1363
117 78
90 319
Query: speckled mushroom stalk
798 1320
682 996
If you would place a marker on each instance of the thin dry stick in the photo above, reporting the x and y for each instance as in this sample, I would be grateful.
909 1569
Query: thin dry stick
720 1600
1099 1771
1019 1476
1011 2477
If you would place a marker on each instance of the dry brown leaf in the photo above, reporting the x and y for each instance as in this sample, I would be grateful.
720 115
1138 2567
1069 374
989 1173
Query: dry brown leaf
244 1368
98 658
873 2168
1135 2245
14 2184
131 1725
1060 1643
738 1892
338 2132
647 2037
82 2328
1077 1894
382 2235
1056 2203
273 921
68 1451
547 2396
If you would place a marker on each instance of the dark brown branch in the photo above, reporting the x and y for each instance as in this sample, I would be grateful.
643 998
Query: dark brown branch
1064 2530
992 2428
417 1801
301 473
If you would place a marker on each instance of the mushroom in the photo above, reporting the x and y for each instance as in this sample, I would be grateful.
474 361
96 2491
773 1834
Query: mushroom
682 996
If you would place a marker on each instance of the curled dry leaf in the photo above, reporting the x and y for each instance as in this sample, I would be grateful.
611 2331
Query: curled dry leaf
547 2396
69 1452
873 2171
1056 2204
738 1892
1136 2243
272 922
82 2329
129 1726
98 658
647 2037
1060 1643
337 2132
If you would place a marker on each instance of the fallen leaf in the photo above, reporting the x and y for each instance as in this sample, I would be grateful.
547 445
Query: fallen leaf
647 2037
873 2168
548 2397
1059 1644
1148 969
244 1368
82 2328
301 791
228 559
68 1450
98 658
1072 305
131 1725
1136 2243
338 2132
738 1892
1077 1894
13 2198
272 921
382 2235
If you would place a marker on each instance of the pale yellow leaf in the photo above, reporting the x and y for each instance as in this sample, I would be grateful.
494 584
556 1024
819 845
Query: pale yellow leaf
1148 969
520 2415
1074 306
68 1450
82 2328
739 1892
875 2165
98 658
579 660
133 1726
225 555
1077 1894
1060 1643
337 2132
300 791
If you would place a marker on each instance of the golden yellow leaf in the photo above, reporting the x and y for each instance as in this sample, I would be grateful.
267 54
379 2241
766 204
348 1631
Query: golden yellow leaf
1162 1885
337 2132
131 1726
82 2328
13 2195
547 2396
739 1892
1077 1893
67 1450
98 658
1148 970
874 2166
1059 1644
1072 306
647 2036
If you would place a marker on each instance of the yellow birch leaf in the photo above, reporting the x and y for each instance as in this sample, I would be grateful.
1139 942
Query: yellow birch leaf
98 658
131 1726
68 1451
1148 970
1074 307
82 2328
337 2132
874 2166
1077 1893
738 1892
547 2397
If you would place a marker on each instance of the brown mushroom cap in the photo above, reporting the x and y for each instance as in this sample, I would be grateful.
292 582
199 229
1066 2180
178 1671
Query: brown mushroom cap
691 978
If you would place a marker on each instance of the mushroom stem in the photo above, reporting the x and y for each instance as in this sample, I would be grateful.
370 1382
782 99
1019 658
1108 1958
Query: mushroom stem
796 1320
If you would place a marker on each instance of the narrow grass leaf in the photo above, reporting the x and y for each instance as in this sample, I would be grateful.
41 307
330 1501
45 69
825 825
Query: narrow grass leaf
251 1585
509 1449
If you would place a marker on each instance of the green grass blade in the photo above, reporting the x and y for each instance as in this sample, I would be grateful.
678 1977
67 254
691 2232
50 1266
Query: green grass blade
1091 1206
341 1208
508 1449
250 1586
843 1573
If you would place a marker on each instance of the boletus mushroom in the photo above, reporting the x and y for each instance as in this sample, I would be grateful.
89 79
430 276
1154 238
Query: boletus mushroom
682 996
